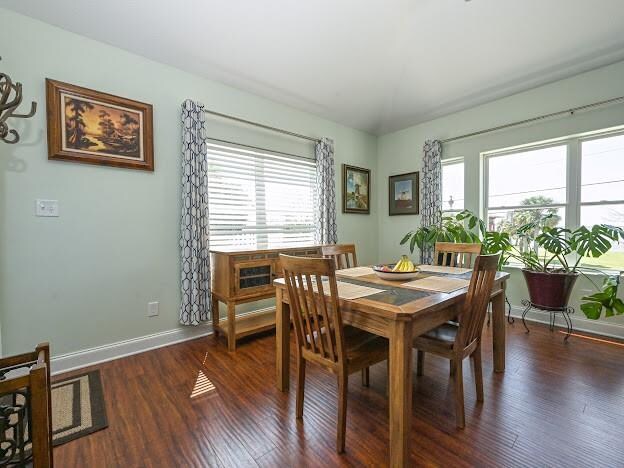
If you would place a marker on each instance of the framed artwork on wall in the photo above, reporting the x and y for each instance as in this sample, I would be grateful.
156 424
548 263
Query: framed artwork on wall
91 127
403 194
355 189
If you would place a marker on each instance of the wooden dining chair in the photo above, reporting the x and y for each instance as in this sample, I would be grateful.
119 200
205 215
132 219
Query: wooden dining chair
320 334
457 341
340 253
455 254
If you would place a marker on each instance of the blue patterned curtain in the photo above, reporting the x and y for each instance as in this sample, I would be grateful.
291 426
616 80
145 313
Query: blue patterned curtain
194 249
431 190
325 206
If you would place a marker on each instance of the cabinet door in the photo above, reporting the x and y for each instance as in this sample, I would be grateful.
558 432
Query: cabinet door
253 276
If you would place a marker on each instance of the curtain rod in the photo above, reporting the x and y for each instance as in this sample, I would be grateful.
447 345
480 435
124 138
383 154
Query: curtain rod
535 119
266 127
259 148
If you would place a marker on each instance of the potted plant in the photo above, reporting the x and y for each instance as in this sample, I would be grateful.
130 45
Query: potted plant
551 256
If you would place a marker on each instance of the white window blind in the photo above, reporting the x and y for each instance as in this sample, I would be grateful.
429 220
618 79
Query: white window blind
259 199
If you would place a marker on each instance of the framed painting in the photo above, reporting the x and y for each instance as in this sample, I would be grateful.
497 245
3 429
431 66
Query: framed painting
355 189
403 194
91 127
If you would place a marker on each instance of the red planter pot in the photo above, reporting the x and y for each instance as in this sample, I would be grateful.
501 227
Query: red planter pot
549 290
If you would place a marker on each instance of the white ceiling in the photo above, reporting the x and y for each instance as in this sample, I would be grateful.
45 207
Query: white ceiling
376 65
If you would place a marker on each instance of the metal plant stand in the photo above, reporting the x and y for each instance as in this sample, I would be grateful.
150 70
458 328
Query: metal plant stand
565 312
510 319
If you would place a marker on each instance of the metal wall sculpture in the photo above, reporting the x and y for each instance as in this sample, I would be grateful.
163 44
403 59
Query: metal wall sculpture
10 100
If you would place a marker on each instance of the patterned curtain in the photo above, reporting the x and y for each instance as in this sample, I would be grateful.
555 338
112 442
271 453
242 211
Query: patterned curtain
325 214
431 190
195 255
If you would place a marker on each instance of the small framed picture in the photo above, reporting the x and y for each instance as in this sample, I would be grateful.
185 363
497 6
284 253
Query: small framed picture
403 193
355 189
91 127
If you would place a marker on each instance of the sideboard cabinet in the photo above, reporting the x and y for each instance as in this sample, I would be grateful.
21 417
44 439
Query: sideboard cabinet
241 276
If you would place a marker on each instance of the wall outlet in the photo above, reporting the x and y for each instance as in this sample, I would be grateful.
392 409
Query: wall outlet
47 208
152 309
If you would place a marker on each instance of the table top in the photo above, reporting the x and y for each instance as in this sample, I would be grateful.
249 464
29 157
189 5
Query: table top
398 300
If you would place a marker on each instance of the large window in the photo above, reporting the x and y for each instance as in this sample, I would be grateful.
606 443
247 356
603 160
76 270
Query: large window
452 185
259 199
602 191
579 181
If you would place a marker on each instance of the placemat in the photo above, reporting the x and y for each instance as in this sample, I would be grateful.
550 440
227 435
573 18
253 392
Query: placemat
444 269
438 284
355 271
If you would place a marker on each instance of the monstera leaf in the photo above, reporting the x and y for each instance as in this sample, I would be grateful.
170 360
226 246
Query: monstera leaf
605 299
596 241
555 240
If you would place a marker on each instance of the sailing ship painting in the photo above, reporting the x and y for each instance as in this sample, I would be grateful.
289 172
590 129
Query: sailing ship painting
99 128
91 127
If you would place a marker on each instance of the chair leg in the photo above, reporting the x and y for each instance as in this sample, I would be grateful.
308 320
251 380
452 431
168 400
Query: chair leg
478 371
459 394
451 367
342 411
420 362
366 377
301 367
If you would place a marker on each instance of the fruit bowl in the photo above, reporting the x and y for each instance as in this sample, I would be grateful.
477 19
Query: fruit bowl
385 272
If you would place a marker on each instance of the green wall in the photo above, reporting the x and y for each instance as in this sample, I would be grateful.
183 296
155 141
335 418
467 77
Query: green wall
84 279
401 152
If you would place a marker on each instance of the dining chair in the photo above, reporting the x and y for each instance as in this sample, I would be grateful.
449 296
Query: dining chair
455 254
338 252
320 334
457 341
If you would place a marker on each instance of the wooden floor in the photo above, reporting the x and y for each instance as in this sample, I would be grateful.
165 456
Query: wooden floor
556 405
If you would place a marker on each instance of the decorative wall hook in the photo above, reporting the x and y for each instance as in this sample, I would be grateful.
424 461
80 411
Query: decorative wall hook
10 99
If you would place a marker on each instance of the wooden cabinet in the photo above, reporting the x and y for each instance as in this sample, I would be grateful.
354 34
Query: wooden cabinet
240 276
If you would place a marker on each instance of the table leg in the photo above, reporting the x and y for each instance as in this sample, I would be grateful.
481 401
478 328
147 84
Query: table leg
498 330
231 311
400 392
282 333
214 309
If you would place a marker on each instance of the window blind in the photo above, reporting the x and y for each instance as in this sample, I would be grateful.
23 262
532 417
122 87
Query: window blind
259 199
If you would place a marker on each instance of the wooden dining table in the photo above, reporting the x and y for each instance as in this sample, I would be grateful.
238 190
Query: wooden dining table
398 313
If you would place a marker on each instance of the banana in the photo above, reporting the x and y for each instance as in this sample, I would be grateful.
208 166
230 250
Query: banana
404 265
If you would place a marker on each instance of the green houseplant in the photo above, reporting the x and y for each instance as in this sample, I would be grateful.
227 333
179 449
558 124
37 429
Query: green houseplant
552 258
551 255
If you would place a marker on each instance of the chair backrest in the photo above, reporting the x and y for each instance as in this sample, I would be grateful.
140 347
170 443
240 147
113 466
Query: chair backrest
317 319
27 399
340 252
476 303
455 254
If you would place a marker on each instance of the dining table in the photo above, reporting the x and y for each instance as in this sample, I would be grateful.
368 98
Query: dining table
397 312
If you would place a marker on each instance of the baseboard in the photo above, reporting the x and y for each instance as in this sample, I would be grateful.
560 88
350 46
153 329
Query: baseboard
109 352
599 327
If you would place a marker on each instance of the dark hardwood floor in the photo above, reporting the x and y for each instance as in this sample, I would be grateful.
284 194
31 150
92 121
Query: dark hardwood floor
556 405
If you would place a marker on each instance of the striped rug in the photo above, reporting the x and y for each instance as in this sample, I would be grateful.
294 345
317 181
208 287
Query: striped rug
78 407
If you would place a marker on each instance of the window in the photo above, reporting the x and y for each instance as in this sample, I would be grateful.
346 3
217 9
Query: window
578 180
524 185
602 191
452 186
259 199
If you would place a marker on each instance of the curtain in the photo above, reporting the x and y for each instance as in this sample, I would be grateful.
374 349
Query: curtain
431 191
325 206
194 249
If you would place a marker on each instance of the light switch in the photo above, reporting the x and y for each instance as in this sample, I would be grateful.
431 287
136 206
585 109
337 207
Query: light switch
48 208
152 309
